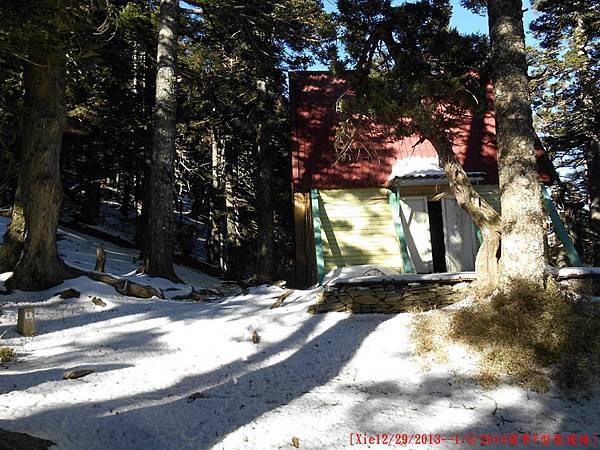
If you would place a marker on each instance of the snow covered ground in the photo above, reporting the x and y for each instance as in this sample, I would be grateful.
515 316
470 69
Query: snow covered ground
314 378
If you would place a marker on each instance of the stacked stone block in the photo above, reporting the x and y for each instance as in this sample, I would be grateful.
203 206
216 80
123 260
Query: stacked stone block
388 296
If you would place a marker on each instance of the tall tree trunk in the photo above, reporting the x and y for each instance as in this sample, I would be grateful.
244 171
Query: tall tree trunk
233 260
522 251
588 108
14 237
39 266
264 201
265 261
158 258
143 176
592 156
90 211
217 203
126 192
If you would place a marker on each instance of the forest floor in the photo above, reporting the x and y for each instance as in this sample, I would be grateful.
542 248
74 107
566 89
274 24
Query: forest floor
187 375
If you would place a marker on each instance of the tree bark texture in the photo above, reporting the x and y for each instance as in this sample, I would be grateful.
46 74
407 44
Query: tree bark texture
217 203
160 222
235 261
14 237
264 202
265 261
39 266
592 157
522 249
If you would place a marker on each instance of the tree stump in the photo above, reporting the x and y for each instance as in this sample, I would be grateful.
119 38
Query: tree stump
100 259
26 321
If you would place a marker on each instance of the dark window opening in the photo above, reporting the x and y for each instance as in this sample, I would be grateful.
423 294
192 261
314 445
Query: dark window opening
436 226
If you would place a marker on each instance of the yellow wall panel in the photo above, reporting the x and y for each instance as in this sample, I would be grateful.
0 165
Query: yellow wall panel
357 228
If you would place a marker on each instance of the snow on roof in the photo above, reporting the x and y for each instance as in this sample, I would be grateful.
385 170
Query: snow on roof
416 167
421 167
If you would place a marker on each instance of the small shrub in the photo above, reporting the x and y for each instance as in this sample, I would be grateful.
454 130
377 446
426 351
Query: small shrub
7 354
429 333
533 336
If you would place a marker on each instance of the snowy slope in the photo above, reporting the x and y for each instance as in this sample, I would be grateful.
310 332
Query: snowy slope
317 378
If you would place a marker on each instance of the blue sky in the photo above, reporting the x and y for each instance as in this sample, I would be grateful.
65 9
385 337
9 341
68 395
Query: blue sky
467 22
464 20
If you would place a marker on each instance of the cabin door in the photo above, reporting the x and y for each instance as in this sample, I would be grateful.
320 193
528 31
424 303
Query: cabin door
415 221
459 237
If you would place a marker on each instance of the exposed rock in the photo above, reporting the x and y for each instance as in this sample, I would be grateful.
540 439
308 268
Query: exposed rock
582 286
366 299
10 440
195 396
74 374
68 293
98 301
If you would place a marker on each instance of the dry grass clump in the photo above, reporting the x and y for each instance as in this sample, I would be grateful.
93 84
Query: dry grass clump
7 354
531 335
429 333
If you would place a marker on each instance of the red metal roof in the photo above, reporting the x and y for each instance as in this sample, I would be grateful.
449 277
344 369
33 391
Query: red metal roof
313 96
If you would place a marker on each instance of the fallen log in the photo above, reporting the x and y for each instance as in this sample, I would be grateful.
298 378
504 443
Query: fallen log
199 295
203 266
92 231
194 263
124 286
281 299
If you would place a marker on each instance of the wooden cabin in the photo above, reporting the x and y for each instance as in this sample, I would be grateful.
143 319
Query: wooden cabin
383 210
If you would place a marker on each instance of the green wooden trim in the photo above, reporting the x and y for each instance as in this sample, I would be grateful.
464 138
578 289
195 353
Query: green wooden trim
560 229
478 235
395 207
314 201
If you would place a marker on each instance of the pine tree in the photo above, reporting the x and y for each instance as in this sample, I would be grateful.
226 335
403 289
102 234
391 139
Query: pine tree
38 265
522 212
159 224
245 49
568 104
41 35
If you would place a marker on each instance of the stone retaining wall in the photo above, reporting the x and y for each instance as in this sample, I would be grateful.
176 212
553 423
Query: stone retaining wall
582 280
388 297
582 286
391 294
